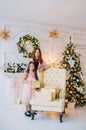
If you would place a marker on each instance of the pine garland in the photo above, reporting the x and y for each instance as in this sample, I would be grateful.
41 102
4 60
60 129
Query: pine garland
14 67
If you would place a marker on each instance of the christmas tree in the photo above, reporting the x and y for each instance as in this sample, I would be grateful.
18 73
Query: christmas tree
75 87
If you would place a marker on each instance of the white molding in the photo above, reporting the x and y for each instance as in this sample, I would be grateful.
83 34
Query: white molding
20 22
41 31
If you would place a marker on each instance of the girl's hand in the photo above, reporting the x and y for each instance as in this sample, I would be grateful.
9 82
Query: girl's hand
28 82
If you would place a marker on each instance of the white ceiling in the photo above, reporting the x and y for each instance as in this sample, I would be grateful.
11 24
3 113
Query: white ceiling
58 12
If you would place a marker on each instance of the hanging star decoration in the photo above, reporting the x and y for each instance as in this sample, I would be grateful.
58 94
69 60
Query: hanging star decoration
53 34
4 34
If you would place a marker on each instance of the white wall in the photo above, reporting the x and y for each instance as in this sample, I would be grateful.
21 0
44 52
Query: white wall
63 12
48 46
38 18
40 31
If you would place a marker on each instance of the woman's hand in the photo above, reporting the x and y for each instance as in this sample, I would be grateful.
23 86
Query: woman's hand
41 69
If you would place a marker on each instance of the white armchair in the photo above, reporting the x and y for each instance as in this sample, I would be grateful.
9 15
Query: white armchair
52 96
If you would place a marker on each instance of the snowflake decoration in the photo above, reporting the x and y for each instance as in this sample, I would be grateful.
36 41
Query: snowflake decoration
53 34
4 34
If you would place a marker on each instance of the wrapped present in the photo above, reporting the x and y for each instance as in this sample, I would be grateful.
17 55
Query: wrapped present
36 84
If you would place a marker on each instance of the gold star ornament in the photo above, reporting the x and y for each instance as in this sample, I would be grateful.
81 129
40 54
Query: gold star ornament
4 34
53 34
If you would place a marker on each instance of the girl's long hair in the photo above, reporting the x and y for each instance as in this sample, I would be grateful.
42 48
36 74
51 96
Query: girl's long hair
40 56
28 70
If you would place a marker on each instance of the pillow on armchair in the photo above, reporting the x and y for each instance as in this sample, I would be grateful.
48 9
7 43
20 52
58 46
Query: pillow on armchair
57 89
61 94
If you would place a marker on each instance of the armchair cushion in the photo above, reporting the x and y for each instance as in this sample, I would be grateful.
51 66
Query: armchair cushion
45 94
50 86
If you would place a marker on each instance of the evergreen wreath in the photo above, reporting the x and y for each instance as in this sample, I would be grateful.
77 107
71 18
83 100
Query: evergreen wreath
27 45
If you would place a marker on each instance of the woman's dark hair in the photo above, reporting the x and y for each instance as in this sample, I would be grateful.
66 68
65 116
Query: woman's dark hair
28 69
40 56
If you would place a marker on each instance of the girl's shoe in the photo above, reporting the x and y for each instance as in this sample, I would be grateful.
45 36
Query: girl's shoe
28 113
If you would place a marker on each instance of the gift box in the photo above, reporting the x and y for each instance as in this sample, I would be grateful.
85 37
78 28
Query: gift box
36 84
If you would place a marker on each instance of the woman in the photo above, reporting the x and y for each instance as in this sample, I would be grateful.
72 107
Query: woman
40 65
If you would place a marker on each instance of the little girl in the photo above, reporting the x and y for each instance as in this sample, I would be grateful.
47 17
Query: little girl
28 92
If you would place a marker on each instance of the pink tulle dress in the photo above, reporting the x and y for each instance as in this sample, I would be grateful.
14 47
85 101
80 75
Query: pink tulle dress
28 91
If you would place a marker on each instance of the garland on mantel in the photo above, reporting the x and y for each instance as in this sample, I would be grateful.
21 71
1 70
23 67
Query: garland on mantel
14 67
27 45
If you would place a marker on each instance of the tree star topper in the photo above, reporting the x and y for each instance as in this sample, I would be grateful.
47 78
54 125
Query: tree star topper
53 34
4 34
